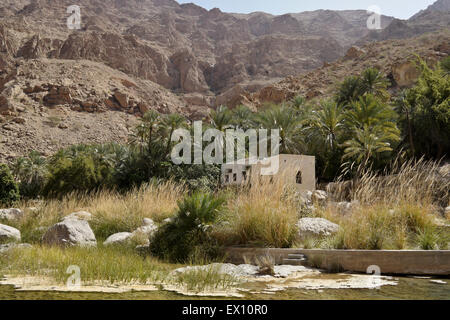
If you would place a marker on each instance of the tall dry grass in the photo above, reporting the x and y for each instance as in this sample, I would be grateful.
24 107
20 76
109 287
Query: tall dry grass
263 214
116 213
112 212
414 182
396 209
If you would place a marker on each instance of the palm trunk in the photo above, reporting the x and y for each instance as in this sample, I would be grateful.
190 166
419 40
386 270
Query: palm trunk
411 142
169 140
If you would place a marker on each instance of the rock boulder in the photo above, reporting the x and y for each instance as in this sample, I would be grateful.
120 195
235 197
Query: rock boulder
11 214
118 238
319 196
80 215
316 227
70 232
9 234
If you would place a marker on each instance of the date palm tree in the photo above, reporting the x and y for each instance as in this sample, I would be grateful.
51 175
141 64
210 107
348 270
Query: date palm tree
170 123
373 82
221 118
349 90
329 123
30 172
445 65
242 117
292 130
368 111
367 143
145 133
406 112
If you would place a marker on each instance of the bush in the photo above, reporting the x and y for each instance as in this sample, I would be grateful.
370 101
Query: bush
69 175
79 169
198 178
9 191
445 64
429 119
428 239
179 239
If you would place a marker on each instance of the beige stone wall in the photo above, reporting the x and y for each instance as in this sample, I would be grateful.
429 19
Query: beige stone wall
290 166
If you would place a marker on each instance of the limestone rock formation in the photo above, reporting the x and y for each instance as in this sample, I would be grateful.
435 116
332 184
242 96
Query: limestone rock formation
80 215
405 74
130 56
9 234
118 238
316 227
11 214
70 232
390 57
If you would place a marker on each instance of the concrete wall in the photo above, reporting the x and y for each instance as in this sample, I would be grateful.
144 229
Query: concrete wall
416 262
290 165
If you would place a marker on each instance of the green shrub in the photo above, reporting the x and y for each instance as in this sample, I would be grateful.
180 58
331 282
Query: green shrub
428 120
9 191
69 175
79 169
445 64
198 178
428 238
180 238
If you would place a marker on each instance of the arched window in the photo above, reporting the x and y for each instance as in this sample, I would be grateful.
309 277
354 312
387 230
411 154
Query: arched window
298 178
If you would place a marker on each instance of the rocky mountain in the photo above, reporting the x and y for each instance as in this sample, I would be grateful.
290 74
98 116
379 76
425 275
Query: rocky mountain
395 58
60 86
183 48
438 6
434 18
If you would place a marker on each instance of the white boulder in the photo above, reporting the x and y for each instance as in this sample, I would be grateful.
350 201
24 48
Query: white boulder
147 230
11 214
118 238
9 234
70 232
345 208
80 215
168 220
319 196
316 227
148 222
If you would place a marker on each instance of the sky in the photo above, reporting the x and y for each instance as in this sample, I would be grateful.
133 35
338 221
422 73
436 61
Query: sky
402 9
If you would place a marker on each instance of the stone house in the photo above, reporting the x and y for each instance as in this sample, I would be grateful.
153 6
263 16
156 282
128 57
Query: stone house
298 170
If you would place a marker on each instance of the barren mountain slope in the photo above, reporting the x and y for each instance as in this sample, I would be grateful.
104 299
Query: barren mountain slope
393 57
60 86
434 18
182 47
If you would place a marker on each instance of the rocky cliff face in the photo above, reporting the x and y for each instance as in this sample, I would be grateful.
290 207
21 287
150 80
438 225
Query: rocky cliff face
130 56
183 48
393 57
434 18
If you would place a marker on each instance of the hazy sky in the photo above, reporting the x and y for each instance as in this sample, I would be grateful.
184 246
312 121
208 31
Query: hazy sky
402 9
